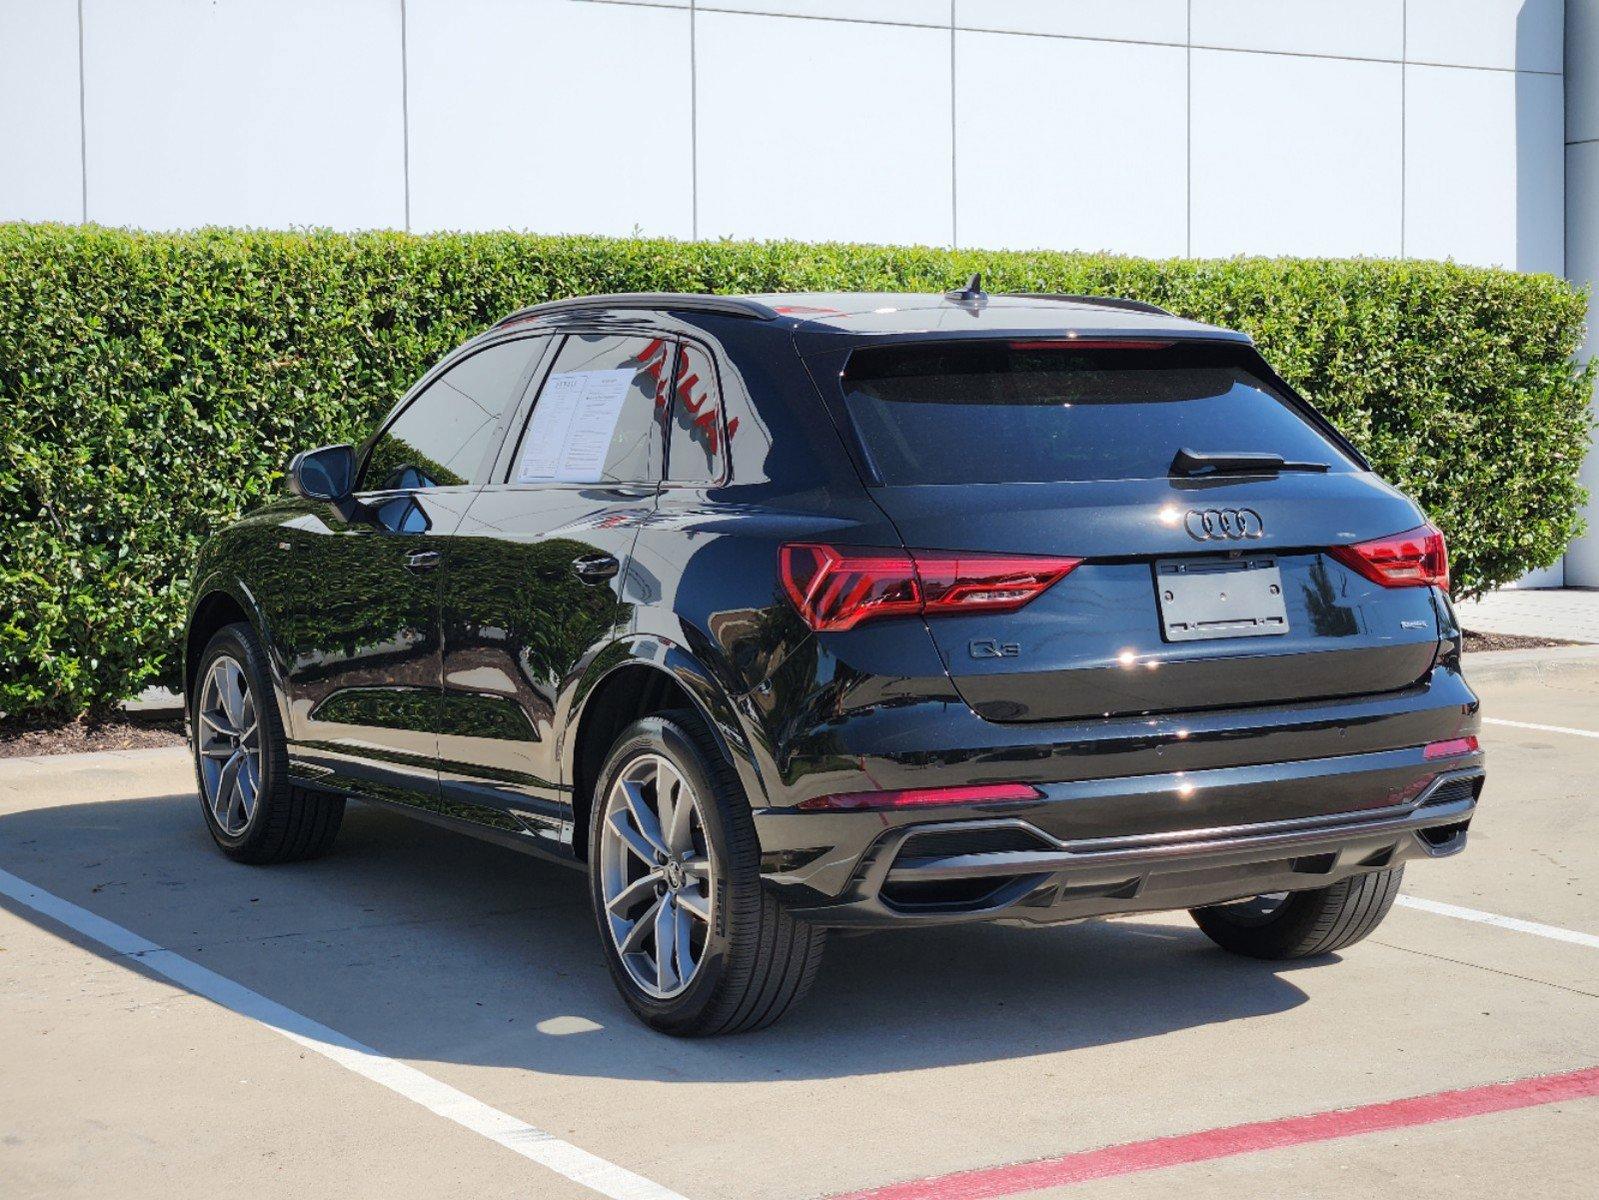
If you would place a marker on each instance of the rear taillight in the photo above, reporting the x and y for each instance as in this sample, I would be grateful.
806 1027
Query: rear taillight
1414 559
975 793
838 587
1450 748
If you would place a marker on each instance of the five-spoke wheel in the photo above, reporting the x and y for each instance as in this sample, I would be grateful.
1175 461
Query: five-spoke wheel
227 739
656 875
255 812
695 941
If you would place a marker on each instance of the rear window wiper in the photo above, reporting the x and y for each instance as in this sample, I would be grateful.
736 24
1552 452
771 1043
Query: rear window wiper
1191 463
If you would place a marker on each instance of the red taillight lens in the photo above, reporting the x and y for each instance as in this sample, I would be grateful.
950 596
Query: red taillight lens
838 587
993 583
1451 748
1414 559
977 793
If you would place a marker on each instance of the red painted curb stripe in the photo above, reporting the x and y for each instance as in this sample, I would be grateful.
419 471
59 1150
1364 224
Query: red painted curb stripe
1152 1155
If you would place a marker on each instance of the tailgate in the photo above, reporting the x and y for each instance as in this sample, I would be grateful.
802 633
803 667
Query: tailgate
1098 642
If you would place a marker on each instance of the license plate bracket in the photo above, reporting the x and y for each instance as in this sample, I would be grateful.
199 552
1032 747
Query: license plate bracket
1204 598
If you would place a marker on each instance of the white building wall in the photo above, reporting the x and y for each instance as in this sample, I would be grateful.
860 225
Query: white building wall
41 158
1166 127
243 112
1429 128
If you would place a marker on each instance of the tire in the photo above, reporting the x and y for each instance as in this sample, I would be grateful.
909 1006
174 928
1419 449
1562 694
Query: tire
1303 924
284 823
754 960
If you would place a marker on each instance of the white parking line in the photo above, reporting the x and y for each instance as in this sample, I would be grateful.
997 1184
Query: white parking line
1486 918
546 1149
1540 728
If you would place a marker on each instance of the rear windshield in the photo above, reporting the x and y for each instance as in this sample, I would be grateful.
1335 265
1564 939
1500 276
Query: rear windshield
1026 412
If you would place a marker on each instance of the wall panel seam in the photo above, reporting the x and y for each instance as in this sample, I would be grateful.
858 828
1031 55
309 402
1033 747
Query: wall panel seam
693 122
954 125
405 114
83 126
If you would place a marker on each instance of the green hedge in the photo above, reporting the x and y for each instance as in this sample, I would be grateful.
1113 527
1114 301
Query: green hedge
154 386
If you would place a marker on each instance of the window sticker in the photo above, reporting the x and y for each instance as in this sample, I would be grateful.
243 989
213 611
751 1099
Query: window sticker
573 423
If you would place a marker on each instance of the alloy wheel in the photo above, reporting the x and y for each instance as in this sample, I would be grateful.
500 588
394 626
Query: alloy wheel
228 741
656 876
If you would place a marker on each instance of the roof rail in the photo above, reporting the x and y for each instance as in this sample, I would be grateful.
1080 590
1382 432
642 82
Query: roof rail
1097 301
730 306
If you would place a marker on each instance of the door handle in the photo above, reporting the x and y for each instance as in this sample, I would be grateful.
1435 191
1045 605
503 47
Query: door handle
595 568
423 560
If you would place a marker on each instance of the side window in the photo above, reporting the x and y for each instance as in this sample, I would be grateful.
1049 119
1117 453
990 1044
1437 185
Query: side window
698 452
595 420
441 437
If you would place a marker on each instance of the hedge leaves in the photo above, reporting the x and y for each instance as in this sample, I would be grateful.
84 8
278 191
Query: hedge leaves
154 386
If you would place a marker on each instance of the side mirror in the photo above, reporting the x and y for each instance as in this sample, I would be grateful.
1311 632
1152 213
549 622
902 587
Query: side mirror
326 473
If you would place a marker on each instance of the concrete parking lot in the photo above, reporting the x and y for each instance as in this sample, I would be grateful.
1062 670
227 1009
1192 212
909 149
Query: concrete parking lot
451 1030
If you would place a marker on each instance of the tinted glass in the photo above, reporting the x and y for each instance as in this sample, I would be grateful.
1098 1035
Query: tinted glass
441 437
595 420
1015 412
697 449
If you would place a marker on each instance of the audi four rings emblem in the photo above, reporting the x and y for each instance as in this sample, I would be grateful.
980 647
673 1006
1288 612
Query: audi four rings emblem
1217 524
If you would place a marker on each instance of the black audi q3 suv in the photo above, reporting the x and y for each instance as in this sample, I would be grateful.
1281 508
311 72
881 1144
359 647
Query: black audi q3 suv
781 614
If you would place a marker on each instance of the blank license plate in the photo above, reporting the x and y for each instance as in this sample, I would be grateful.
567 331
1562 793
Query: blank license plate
1202 598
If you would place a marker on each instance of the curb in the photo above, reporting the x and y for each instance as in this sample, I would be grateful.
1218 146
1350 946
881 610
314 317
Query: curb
154 701
1506 666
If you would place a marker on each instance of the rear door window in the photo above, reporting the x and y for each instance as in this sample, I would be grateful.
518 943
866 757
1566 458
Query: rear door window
1026 412
597 415
697 452
444 433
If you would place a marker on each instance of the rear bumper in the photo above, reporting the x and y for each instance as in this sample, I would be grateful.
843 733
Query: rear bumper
951 865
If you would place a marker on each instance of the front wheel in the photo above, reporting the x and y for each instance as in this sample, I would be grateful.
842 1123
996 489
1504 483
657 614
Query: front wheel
1302 924
694 942
241 760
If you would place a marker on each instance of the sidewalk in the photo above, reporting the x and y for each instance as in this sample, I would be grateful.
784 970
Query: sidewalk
1571 614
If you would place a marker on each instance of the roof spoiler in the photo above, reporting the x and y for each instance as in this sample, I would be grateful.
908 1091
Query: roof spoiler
727 306
1121 302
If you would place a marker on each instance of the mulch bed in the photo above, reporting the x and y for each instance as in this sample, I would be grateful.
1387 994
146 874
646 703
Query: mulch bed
129 732
1510 641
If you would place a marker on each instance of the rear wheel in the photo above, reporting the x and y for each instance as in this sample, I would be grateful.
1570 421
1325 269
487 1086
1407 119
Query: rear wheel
694 942
241 762
1302 924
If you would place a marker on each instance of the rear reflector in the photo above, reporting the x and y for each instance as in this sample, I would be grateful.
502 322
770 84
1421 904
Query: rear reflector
838 587
1451 748
1417 558
976 793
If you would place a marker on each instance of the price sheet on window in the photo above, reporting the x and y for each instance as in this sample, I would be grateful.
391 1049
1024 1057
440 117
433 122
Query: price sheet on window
573 423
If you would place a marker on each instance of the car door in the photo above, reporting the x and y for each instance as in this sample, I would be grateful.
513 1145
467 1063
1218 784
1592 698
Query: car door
359 615
537 576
